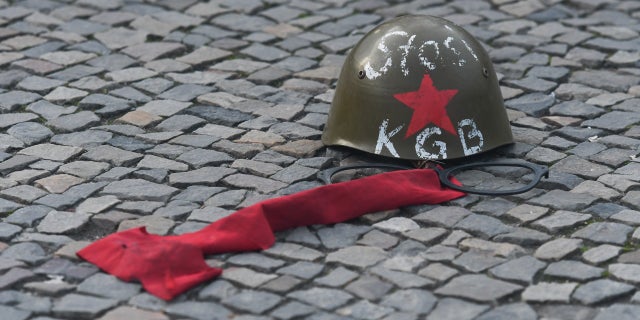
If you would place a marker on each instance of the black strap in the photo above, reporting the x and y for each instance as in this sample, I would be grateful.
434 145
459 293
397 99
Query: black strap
445 174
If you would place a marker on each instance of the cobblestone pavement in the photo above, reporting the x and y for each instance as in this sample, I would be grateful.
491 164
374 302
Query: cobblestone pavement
116 114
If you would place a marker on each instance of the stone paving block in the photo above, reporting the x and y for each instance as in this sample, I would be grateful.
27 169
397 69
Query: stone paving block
485 226
557 249
262 185
153 224
449 309
402 279
357 256
14 313
521 269
164 107
131 143
119 80
596 189
255 167
67 58
632 199
226 198
51 151
58 183
625 271
155 162
478 288
247 276
8 231
197 310
573 270
49 110
601 253
561 219
293 309
293 251
510 311
444 216
62 222
302 269
8 142
130 74
327 299
219 131
256 302
256 260
203 176
618 311
337 277
23 193
27 216
75 305
364 309
397 225
438 271
298 148
116 156
96 205
180 123
549 292
476 261
341 235
30 132
126 311
107 286
601 290
605 232
294 173
138 189
75 121
121 37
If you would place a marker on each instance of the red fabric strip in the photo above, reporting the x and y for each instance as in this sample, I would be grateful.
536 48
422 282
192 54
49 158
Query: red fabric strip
169 265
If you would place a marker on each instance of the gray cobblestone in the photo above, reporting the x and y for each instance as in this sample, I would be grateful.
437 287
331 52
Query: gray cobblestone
164 93
573 270
601 290
357 256
561 219
61 222
197 310
449 309
549 292
605 232
557 249
137 189
323 298
74 305
256 302
618 311
108 287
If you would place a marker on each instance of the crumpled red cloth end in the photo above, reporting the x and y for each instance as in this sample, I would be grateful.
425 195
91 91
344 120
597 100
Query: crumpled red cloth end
165 267
169 265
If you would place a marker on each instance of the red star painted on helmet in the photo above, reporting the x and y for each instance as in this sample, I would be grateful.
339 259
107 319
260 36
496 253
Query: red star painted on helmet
428 104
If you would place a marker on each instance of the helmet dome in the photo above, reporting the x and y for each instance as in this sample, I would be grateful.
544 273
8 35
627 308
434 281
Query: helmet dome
420 88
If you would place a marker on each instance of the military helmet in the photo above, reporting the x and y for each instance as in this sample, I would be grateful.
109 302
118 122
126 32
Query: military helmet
419 88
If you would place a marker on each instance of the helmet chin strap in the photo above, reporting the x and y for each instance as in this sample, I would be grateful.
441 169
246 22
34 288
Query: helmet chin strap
446 175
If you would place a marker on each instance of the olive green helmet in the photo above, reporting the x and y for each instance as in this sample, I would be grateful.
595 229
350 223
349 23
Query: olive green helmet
419 88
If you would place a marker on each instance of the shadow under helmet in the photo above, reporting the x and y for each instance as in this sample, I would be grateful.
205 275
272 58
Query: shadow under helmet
418 88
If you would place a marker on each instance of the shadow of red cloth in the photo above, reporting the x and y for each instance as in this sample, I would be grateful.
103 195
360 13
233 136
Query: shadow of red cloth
169 265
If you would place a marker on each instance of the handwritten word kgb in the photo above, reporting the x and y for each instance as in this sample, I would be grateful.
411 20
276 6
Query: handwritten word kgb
471 139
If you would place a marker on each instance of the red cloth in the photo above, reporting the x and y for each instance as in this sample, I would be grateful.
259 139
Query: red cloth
169 265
